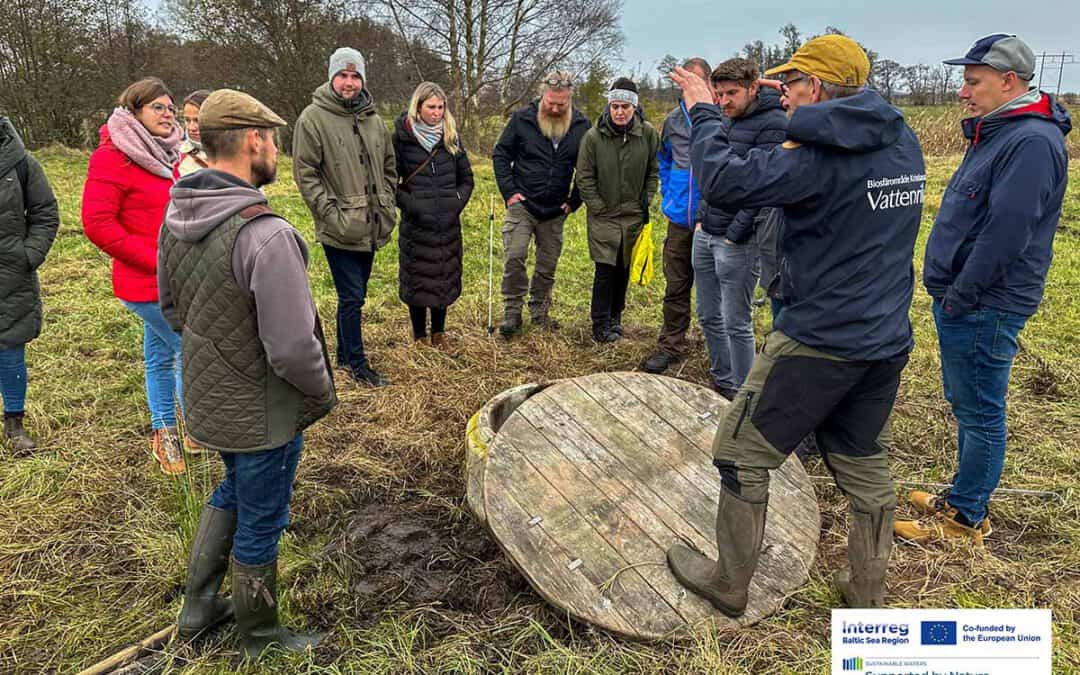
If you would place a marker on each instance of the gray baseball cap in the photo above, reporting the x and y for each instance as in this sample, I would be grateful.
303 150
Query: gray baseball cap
1001 52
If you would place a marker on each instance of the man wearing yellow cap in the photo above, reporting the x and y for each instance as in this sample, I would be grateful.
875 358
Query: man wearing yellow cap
850 179
232 276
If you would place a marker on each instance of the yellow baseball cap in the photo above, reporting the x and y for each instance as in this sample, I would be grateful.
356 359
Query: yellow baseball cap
836 59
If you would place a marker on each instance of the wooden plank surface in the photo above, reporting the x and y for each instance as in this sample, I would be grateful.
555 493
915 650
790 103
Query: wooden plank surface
589 482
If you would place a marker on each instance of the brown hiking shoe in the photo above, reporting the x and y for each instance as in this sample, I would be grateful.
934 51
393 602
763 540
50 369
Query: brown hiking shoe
930 503
941 525
192 446
167 451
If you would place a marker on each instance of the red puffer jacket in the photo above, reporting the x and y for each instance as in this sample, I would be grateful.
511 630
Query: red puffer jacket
123 207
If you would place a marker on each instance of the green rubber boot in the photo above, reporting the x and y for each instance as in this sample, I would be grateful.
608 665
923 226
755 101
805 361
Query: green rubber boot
203 608
740 527
255 600
870 544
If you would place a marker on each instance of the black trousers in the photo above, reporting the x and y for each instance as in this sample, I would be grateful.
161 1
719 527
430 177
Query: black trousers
418 317
609 293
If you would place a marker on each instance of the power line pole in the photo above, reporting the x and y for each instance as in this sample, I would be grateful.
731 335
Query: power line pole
1048 63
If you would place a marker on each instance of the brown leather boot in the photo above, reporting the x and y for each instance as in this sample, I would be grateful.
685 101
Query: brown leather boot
16 434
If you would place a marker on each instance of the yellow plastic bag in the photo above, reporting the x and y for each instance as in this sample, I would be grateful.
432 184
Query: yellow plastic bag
641 259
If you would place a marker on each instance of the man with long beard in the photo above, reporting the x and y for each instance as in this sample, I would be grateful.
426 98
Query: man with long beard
232 276
534 167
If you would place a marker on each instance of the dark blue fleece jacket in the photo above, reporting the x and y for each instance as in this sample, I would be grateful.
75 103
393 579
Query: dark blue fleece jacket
993 238
763 126
850 179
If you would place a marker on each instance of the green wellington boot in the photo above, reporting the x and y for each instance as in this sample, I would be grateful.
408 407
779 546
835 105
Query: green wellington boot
740 526
255 600
209 563
869 546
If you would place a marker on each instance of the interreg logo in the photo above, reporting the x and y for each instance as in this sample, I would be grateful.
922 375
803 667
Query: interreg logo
896 192
939 632
854 663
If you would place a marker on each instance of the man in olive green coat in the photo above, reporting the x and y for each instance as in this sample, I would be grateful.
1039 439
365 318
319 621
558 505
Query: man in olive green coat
343 163
617 175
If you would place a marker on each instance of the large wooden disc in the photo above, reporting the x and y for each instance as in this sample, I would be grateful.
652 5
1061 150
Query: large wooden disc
589 482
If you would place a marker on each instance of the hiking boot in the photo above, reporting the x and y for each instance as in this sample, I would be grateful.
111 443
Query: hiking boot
546 322
439 341
167 451
15 433
740 526
365 374
256 609
209 563
658 362
604 335
928 503
511 324
869 545
616 325
193 447
940 525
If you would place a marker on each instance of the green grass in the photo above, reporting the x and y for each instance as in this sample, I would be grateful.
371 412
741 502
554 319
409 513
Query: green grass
93 538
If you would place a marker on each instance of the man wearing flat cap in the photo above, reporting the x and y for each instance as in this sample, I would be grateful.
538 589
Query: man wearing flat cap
850 180
232 277
985 267
344 166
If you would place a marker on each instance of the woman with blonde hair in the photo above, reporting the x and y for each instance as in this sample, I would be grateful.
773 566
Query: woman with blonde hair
435 183
124 199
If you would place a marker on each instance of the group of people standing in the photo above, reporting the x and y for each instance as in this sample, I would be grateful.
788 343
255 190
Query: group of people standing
811 183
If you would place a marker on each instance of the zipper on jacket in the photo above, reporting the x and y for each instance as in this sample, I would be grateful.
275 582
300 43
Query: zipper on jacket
742 415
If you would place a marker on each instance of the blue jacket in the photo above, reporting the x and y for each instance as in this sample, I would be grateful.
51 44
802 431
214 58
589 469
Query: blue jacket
850 179
993 238
677 186
763 126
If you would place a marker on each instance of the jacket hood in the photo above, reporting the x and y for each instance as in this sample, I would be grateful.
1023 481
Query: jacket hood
1044 106
325 97
768 99
12 149
205 199
859 123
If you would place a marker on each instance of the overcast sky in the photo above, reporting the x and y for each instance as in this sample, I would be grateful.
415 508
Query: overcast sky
907 32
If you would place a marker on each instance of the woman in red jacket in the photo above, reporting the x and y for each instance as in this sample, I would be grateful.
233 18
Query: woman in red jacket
127 190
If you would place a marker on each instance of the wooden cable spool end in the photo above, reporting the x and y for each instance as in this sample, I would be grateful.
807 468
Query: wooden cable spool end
586 482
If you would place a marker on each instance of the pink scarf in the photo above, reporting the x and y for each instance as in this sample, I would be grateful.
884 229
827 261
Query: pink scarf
155 154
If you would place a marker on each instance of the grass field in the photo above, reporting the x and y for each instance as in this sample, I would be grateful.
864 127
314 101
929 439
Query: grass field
382 550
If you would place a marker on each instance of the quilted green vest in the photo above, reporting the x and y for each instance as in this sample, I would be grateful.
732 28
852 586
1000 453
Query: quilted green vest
233 400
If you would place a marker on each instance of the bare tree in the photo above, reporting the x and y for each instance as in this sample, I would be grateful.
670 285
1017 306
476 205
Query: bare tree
497 50
887 75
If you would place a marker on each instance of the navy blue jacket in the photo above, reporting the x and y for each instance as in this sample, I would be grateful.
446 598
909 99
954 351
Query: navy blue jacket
528 162
850 179
764 126
993 238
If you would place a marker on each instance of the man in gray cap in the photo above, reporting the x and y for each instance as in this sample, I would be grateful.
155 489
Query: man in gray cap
232 277
985 267
343 163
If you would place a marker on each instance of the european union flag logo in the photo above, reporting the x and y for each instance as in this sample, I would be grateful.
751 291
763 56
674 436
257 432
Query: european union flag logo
939 632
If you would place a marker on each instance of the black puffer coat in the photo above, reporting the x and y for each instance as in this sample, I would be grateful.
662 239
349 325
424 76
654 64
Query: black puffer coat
28 223
429 237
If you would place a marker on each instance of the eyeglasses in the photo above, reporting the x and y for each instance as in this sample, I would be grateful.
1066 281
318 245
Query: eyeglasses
160 108
786 82
558 82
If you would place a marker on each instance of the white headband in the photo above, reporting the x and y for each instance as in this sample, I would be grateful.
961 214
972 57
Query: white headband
623 95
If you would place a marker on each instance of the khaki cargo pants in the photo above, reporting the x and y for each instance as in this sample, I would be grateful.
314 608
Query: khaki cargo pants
794 390
519 228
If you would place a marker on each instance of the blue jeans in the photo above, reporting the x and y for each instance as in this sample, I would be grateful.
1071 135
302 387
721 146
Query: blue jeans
258 488
351 271
977 352
161 358
13 379
725 276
